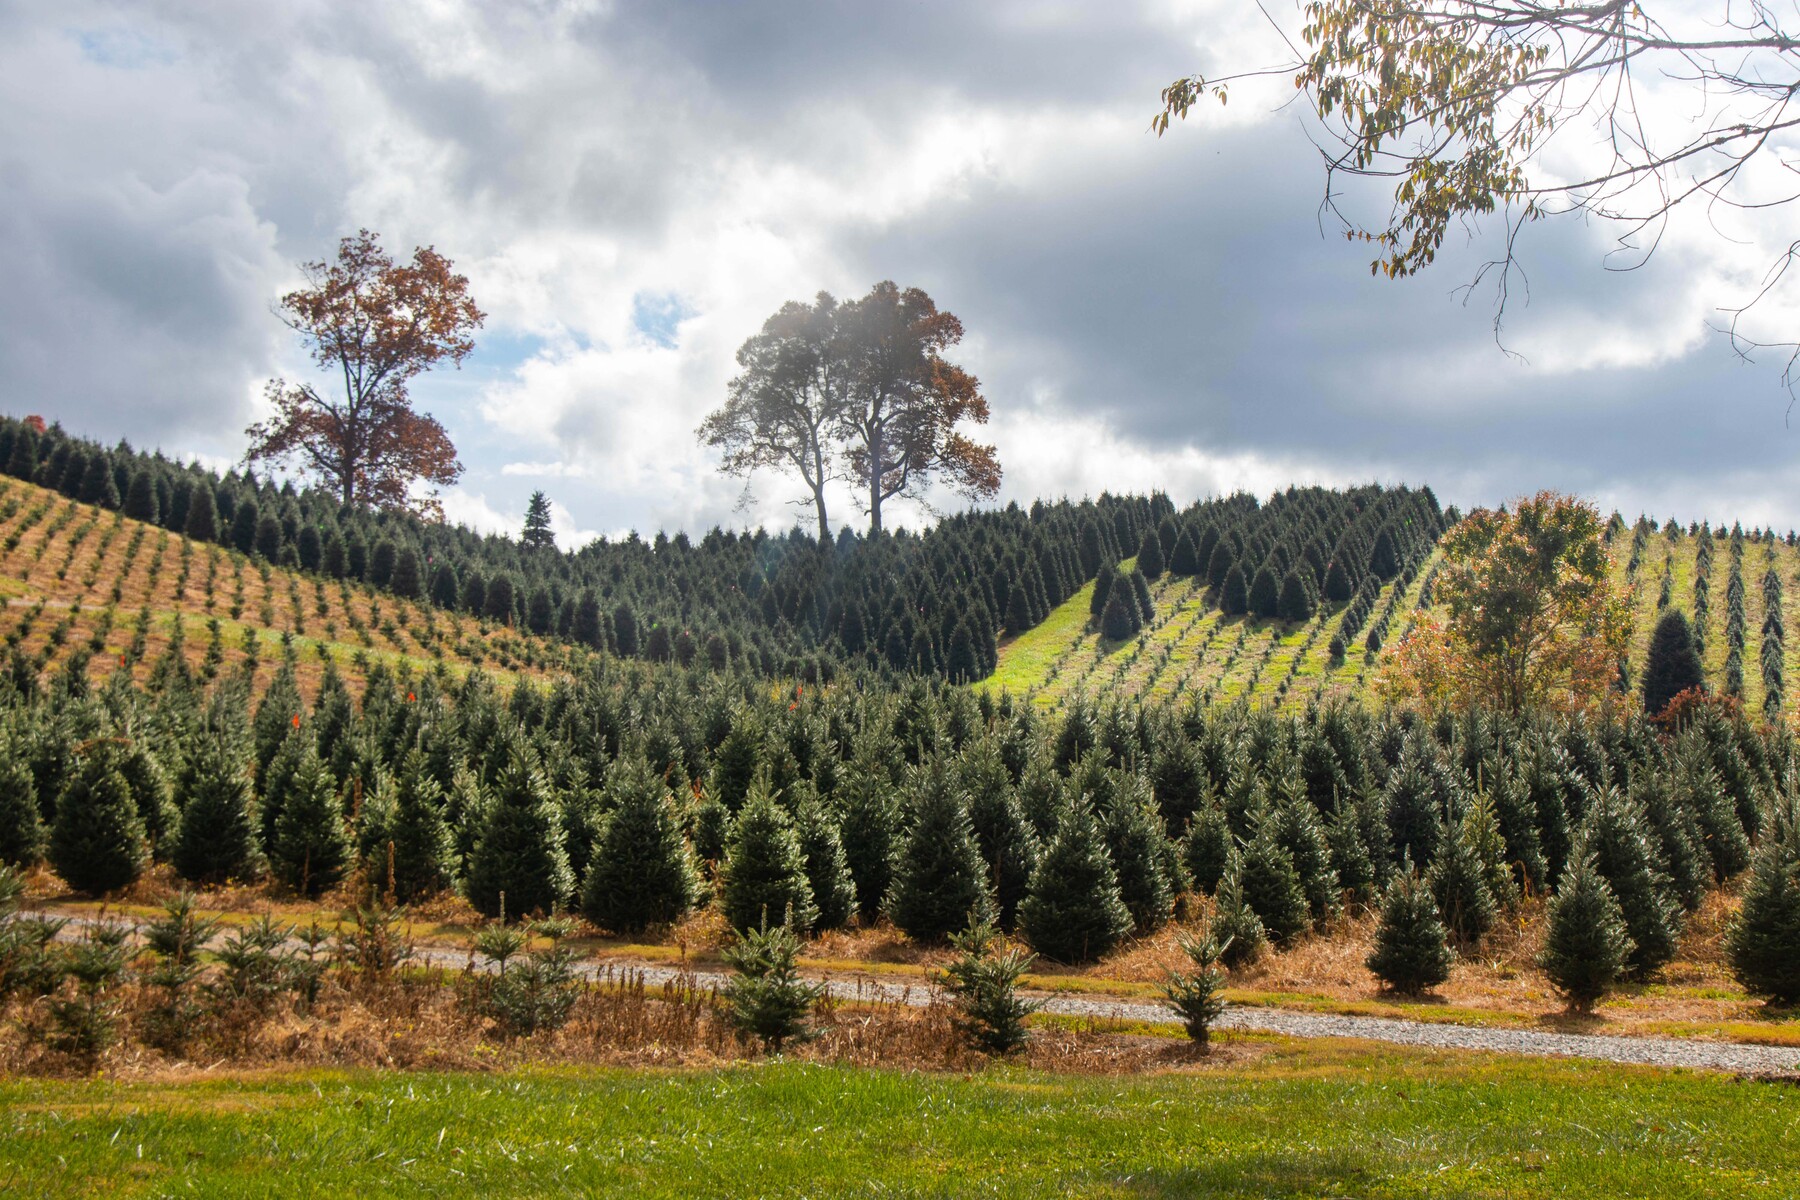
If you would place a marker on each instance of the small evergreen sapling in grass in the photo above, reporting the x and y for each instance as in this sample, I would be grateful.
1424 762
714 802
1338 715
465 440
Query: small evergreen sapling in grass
642 872
175 941
984 980
1073 912
1587 947
539 993
1763 943
765 868
1198 996
766 996
1412 949
86 1023
97 841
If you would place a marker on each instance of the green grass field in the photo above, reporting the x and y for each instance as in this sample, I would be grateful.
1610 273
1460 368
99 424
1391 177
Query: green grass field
1322 1119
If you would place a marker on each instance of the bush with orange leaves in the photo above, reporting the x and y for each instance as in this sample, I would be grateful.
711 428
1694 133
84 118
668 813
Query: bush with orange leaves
1527 617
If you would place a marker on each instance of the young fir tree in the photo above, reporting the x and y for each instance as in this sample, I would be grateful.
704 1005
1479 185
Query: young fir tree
1150 555
1008 843
1073 912
1234 593
22 834
1295 603
1587 946
1412 947
765 869
827 869
1763 943
311 850
1296 825
1676 833
424 852
1207 847
1265 593
1120 621
1459 888
1350 856
983 980
1239 930
766 997
219 837
1103 589
151 793
1134 840
1673 665
1615 836
1198 996
520 852
97 840
642 872
939 884
1272 887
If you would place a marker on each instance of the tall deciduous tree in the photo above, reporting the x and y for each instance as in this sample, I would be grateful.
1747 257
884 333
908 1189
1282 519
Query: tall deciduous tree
373 324
906 402
781 410
1528 615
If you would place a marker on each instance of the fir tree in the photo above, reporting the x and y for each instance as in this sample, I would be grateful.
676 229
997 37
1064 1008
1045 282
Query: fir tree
1009 845
408 577
97 840
1350 857
1234 595
424 852
1120 621
1236 925
1615 836
1150 555
1337 583
827 869
1412 950
765 869
1184 560
1587 946
1295 603
520 852
1134 840
140 498
642 872
1763 943
870 832
1460 888
1295 823
983 980
1265 593
202 521
766 996
23 837
1673 665
1103 589
1271 886
1073 912
1197 996
536 533
311 849
219 837
1207 848
939 884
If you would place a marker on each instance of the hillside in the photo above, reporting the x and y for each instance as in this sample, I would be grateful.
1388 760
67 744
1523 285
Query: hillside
87 586
1191 648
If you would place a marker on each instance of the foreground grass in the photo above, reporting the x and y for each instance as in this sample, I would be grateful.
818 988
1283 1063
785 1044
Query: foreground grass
1323 1119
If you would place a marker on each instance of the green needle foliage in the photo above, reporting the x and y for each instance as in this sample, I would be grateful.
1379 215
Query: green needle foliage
97 842
1242 938
1673 665
766 996
642 873
311 850
1412 948
520 853
827 869
1207 848
1588 947
1271 886
1198 996
23 837
1073 912
424 851
984 981
765 869
940 883
1764 940
219 836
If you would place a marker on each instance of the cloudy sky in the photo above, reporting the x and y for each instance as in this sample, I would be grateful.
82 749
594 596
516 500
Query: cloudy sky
632 188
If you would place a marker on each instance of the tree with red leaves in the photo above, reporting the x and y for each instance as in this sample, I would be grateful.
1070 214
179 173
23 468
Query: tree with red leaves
376 323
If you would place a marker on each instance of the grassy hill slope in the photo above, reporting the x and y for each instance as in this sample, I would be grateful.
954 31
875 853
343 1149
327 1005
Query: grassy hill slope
1191 648
76 580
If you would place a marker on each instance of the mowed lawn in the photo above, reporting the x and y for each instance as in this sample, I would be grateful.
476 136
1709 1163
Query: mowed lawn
1314 1119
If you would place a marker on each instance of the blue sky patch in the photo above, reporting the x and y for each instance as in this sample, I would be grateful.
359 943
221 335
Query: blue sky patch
658 316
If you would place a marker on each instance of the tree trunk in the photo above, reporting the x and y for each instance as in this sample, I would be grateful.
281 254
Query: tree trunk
824 521
875 482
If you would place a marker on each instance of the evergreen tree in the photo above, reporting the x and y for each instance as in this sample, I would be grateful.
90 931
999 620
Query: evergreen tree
309 548
1412 949
140 498
424 852
1184 560
520 852
1103 589
1295 823
870 832
270 538
1120 621
97 840
1350 857
1009 845
1197 996
1207 848
1236 925
1338 588
642 872
1587 946
310 850
202 521
1272 887
536 533
408 578
1460 888
1295 602
1219 564
827 869
765 869
983 979
97 483
1150 555
766 996
1135 842
1673 665
23 837
1615 836
1763 943
219 837
1073 912
1234 595
243 526
1265 593
939 884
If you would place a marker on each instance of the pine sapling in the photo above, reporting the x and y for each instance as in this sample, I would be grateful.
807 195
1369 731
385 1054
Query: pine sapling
766 995
984 980
1198 996
1587 947
1412 947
